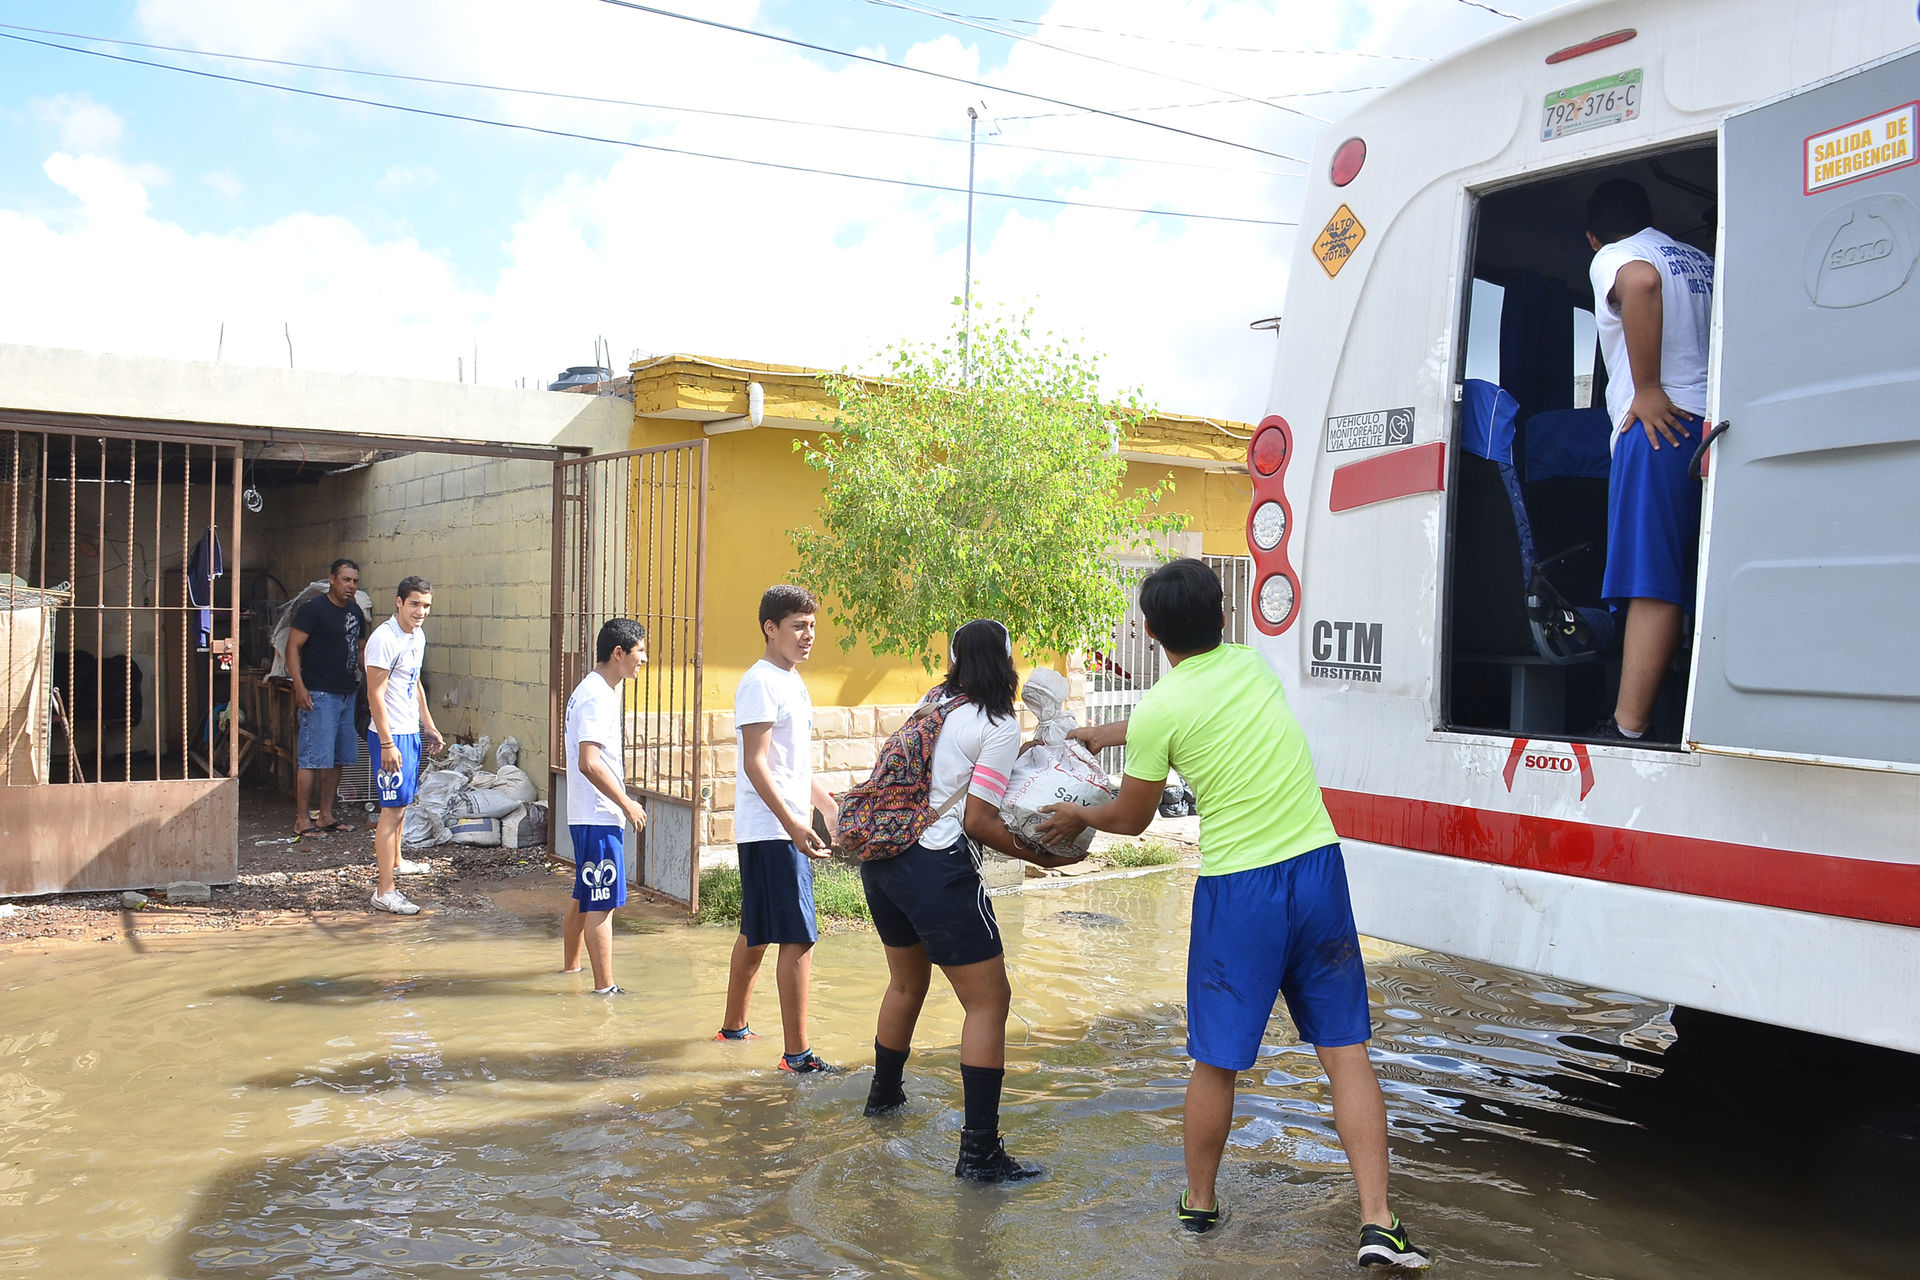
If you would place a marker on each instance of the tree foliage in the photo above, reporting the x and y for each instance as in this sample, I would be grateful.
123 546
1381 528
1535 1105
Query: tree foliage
979 484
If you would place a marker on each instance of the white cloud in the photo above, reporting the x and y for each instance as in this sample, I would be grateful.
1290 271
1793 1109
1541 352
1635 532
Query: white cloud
224 184
78 122
407 175
662 252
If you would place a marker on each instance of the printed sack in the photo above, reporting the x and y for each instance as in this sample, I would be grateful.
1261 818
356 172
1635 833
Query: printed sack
886 815
1054 772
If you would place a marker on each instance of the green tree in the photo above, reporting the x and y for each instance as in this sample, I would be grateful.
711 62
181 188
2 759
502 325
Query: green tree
997 493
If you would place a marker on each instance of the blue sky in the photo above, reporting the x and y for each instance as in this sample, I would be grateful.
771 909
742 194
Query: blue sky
145 208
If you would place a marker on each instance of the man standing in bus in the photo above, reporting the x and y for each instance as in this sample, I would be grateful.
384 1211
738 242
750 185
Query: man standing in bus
1653 306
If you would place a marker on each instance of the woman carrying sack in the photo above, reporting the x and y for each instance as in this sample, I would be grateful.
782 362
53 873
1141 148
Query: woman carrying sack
930 907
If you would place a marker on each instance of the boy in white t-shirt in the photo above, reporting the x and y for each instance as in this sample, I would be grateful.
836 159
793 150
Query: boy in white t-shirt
598 806
1653 310
773 825
400 719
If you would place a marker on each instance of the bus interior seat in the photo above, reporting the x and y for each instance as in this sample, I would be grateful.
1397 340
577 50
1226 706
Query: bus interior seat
1517 611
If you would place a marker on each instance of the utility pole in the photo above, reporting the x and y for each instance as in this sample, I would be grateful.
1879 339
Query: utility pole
966 296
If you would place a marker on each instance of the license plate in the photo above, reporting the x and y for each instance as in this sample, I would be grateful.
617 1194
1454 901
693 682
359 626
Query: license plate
1593 105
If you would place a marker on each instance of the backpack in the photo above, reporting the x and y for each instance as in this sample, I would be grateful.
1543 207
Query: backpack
887 814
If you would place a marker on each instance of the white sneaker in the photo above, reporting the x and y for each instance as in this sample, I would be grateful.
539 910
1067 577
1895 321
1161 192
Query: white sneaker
408 867
396 903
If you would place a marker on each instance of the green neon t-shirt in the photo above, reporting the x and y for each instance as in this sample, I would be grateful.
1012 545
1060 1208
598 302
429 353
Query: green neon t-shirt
1222 720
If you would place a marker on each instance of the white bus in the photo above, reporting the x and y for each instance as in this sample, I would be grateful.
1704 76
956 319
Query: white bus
1429 491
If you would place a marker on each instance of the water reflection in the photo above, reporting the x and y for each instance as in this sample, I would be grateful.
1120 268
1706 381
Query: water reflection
427 1096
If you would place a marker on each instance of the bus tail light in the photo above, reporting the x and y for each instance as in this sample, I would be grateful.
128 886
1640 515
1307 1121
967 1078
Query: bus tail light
1276 595
1347 161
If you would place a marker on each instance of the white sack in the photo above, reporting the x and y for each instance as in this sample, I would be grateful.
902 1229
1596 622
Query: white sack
1057 771
507 753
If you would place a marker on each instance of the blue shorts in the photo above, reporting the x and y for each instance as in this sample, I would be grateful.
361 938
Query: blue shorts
1653 519
1286 928
327 737
933 898
599 866
776 893
396 789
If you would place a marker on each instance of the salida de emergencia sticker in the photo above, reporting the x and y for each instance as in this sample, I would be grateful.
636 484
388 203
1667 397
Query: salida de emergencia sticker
1862 149
1337 241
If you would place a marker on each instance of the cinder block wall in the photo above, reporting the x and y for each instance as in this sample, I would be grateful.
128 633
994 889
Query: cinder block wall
480 530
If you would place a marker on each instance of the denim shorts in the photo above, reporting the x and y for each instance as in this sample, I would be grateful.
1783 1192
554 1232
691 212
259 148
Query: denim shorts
327 737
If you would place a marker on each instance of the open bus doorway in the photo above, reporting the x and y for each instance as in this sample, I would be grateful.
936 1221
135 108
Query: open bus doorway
1528 487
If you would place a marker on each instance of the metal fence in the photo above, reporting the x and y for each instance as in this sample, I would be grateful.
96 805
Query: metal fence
117 612
1132 661
630 541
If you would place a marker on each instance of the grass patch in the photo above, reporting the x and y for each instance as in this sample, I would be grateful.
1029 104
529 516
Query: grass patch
837 895
1146 853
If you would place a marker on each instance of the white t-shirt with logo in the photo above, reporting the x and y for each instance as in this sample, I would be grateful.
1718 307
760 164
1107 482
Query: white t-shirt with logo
974 754
401 654
1686 320
593 715
779 698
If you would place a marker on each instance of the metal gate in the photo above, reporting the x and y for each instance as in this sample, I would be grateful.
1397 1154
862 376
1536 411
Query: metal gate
117 670
1131 663
629 540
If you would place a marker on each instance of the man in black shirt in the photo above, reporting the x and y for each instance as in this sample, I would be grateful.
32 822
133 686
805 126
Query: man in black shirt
323 658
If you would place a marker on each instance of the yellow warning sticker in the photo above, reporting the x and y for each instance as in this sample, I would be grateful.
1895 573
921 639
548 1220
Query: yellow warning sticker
1862 149
1337 242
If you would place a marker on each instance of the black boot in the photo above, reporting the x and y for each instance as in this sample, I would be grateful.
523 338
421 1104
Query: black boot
883 1101
984 1158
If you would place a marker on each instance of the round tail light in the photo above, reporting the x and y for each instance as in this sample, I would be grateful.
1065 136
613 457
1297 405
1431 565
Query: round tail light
1347 161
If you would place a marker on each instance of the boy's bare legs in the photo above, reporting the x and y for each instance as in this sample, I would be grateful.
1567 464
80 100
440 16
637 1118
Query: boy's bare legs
598 929
1360 1116
1209 1113
742 969
572 927
792 972
386 846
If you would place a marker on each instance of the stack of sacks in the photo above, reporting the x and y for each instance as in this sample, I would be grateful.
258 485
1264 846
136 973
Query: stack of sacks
463 803
1057 771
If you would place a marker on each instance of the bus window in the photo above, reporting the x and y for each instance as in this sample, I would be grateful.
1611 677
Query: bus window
1529 646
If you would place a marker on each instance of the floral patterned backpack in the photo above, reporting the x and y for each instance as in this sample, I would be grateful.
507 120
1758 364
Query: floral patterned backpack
887 814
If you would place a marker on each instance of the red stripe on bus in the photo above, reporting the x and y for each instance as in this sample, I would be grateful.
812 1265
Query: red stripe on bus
1400 474
1887 892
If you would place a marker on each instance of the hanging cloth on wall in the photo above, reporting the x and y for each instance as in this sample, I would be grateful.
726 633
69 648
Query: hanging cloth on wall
207 562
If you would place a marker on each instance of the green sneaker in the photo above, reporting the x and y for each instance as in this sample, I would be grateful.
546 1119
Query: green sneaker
1198 1221
1390 1247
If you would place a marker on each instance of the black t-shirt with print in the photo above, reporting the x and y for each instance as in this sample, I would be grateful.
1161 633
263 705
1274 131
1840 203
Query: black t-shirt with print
330 660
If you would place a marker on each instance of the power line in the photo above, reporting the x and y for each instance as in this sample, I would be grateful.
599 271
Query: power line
1210 102
977 25
941 75
645 146
1202 44
1502 13
486 87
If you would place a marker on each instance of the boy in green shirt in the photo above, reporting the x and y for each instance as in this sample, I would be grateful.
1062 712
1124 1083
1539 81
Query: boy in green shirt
1270 912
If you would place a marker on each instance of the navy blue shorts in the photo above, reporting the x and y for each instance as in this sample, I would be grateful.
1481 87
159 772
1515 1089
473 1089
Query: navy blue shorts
1286 928
1653 518
776 893
327 737
933 898
396 789
599 866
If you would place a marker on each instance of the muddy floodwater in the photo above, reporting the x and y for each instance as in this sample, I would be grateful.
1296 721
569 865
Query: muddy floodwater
428 1097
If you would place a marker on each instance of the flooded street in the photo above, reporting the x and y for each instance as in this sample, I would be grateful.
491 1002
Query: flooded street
429 1097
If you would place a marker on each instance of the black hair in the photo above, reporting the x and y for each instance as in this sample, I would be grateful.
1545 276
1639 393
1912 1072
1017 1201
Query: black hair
333 570
411 583
1181 602
618 633
782 602
982 667
1616 209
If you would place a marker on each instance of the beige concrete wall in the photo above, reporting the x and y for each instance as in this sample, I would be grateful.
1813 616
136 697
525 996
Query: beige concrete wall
479 529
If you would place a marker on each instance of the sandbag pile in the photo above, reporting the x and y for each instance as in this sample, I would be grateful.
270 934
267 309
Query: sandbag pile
463 803
1057 771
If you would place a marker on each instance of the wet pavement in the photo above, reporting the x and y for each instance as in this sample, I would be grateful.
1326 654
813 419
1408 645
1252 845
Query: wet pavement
382 1096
